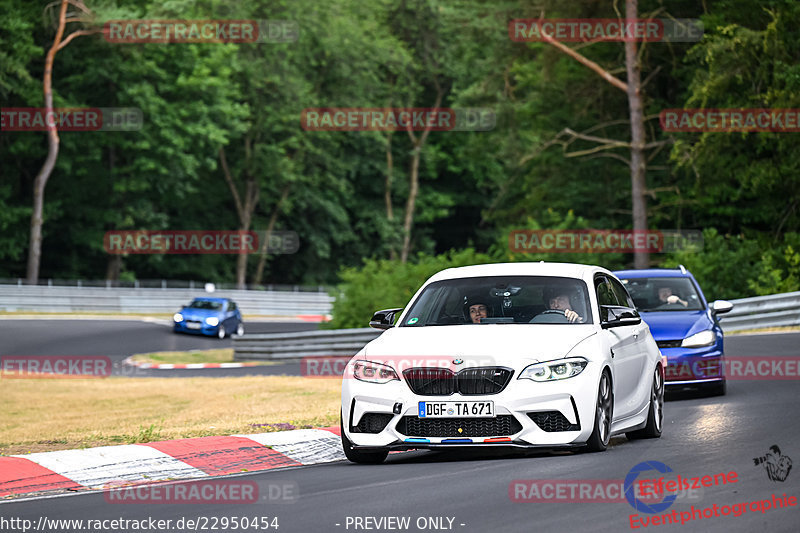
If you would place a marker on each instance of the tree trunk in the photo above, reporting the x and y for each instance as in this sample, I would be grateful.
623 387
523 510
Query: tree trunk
270 226
641 259
39 184
243 210
387 192
413 190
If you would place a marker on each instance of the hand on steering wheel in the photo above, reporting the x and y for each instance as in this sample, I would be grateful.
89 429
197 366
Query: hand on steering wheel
569 314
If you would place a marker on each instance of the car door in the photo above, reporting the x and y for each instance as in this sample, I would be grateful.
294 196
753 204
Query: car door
624 353
639 332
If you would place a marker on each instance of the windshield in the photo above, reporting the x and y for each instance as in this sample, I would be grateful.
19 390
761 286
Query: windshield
664 294
501 300
206 304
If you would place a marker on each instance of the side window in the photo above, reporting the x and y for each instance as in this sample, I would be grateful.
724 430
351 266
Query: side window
232 306
622 295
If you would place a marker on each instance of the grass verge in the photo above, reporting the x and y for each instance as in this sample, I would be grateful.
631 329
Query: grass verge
58 414
220 355
782 329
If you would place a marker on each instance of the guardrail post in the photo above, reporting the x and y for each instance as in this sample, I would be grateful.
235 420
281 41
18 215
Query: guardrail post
163 284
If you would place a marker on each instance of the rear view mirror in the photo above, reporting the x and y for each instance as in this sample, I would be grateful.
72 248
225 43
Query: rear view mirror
384 319
618 315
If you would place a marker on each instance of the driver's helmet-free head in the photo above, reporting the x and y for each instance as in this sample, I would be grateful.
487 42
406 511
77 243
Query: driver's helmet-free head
553 292
471 299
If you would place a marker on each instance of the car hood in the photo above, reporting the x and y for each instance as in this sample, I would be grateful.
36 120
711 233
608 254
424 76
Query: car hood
478 345
190 313
674 325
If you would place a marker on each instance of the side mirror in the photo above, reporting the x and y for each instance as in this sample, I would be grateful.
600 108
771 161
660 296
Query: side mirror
618 315
384 319
721 306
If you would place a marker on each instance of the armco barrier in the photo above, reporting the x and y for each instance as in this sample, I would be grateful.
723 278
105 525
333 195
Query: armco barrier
770 311
747 313
345 342
124 300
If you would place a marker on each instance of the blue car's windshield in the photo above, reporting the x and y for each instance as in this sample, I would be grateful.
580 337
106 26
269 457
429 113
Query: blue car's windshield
500 300
663 294
206 304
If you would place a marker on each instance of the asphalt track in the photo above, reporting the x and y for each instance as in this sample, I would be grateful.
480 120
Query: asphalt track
118 339
702 436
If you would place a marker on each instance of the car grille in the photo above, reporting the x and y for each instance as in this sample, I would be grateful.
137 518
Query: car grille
469 382
669 344
372 423
500 426
552 421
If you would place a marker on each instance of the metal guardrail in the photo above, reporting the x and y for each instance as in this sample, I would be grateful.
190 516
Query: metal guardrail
771 311
747 313
343 342
127 300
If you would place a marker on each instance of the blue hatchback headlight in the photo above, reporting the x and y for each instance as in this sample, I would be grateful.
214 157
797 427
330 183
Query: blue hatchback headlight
704 338
177 317
212 321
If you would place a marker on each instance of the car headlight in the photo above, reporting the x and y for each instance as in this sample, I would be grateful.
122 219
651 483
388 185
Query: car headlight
553 370
212 321
374 372
177 317
704 338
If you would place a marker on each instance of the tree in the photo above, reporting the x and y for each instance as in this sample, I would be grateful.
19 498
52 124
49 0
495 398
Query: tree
39 184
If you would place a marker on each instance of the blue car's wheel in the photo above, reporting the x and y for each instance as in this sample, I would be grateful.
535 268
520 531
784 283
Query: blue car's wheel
240 330
221 333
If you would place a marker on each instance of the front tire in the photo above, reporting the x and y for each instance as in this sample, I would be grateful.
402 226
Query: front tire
357 456
604 411
221 333
655 414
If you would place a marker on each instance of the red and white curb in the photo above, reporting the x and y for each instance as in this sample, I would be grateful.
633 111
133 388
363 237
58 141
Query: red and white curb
99 468
169 366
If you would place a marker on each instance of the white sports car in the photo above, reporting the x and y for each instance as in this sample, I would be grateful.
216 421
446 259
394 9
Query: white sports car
520 354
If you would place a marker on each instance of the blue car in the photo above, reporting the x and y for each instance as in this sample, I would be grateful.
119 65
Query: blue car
684 325
209 316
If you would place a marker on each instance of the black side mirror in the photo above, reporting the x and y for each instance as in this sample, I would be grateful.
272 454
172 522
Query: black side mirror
384 319
613 316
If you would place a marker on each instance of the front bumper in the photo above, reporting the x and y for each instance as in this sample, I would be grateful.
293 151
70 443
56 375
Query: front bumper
565 407
205 329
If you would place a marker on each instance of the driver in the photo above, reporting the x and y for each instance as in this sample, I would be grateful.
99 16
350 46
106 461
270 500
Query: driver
666 297
558 299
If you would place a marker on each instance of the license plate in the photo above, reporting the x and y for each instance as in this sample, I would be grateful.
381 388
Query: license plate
456 409
193 325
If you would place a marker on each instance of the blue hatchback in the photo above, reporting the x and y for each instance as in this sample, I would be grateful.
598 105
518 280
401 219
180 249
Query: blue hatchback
209 316
683 324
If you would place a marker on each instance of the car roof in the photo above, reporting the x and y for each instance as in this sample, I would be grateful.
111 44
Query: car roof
654 273
539 268
209 299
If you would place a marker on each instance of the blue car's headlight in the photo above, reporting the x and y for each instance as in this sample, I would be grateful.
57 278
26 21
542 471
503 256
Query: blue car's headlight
374 372
704 338
553 370
212 321
177 317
